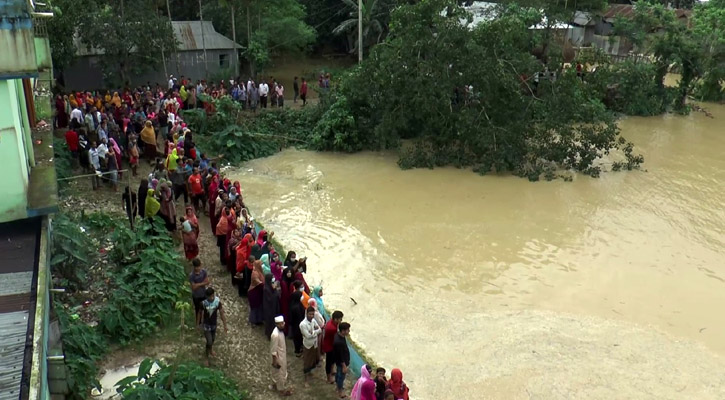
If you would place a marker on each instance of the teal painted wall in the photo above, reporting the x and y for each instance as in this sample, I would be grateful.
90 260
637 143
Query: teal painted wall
14 139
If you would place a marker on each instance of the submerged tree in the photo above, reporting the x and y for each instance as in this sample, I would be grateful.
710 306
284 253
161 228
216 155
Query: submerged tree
466 97
656 30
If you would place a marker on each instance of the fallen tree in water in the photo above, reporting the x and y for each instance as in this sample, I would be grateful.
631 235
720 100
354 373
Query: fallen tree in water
467 96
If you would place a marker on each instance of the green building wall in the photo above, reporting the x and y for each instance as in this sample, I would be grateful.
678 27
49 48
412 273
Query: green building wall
16 152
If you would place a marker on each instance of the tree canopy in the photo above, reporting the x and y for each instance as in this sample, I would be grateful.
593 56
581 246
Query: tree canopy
129 34
466 97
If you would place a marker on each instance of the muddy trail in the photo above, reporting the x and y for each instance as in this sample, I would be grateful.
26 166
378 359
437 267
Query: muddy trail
243 351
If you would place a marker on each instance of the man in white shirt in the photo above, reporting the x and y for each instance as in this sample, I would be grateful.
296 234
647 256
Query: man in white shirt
102 149
171 82
250 82
77 114
95 163
311 330
263 91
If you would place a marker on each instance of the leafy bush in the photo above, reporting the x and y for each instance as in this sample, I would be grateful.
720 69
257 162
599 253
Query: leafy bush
186 380
63 162
337 130
146 289
243 136
72 251
83 346
632 88
465 96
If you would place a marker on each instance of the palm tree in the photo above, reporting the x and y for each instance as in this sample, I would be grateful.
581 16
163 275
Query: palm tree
372 27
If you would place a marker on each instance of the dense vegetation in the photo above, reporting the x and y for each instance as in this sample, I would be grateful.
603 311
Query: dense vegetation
121 286
132 35
185 380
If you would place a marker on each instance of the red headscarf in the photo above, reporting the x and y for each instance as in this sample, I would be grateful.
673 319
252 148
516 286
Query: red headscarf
396 384
243 251
239 189
226 183
213 189
260 238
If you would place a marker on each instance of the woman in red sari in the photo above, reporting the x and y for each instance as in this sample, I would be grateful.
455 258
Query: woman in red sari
244 271
61 117
190 234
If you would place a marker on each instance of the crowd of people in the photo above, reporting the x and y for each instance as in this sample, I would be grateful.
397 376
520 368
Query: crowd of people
106 130
280 300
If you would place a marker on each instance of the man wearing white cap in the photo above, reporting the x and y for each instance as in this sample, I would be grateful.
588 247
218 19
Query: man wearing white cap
278 348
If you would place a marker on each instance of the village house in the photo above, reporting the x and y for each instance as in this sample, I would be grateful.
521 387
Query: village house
193 38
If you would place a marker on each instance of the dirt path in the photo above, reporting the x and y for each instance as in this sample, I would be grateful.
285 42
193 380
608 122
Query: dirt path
243 352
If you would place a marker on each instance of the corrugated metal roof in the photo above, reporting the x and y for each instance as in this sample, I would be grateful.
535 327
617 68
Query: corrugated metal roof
189 35
619 10
13 330
16 283
18 266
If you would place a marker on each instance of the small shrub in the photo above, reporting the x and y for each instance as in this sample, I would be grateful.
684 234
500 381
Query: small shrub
83 346
71 252
186 380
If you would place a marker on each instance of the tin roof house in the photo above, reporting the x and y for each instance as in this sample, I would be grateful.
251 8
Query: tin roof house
193 38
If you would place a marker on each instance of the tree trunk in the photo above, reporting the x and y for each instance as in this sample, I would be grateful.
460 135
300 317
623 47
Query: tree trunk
249 40
234 39
168 11
203 43
359 32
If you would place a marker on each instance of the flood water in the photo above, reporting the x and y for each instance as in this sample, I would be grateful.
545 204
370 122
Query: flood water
498 288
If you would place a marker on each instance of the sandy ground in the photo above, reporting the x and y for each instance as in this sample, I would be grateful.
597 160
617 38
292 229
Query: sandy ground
243 352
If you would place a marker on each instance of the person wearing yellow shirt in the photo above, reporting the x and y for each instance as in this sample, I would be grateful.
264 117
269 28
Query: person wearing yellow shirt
172 157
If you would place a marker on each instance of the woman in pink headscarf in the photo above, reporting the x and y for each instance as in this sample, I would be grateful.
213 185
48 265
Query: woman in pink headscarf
356 393
117 152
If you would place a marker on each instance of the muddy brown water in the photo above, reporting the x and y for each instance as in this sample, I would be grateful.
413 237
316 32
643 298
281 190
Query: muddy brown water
496 287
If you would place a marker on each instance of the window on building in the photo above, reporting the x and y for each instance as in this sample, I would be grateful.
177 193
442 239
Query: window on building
223 60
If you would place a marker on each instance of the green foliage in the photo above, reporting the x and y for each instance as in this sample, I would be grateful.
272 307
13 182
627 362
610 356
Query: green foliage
131 35
147 286
186 380
708 25
337 130
631 88
68 15
83 346
655 30
72 252
240 136
414 86
63 161
373 14
264 28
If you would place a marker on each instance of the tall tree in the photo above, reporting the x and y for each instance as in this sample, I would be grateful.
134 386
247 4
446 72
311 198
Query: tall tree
372 17
275 26
656 30
130 35
63 29
708 25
